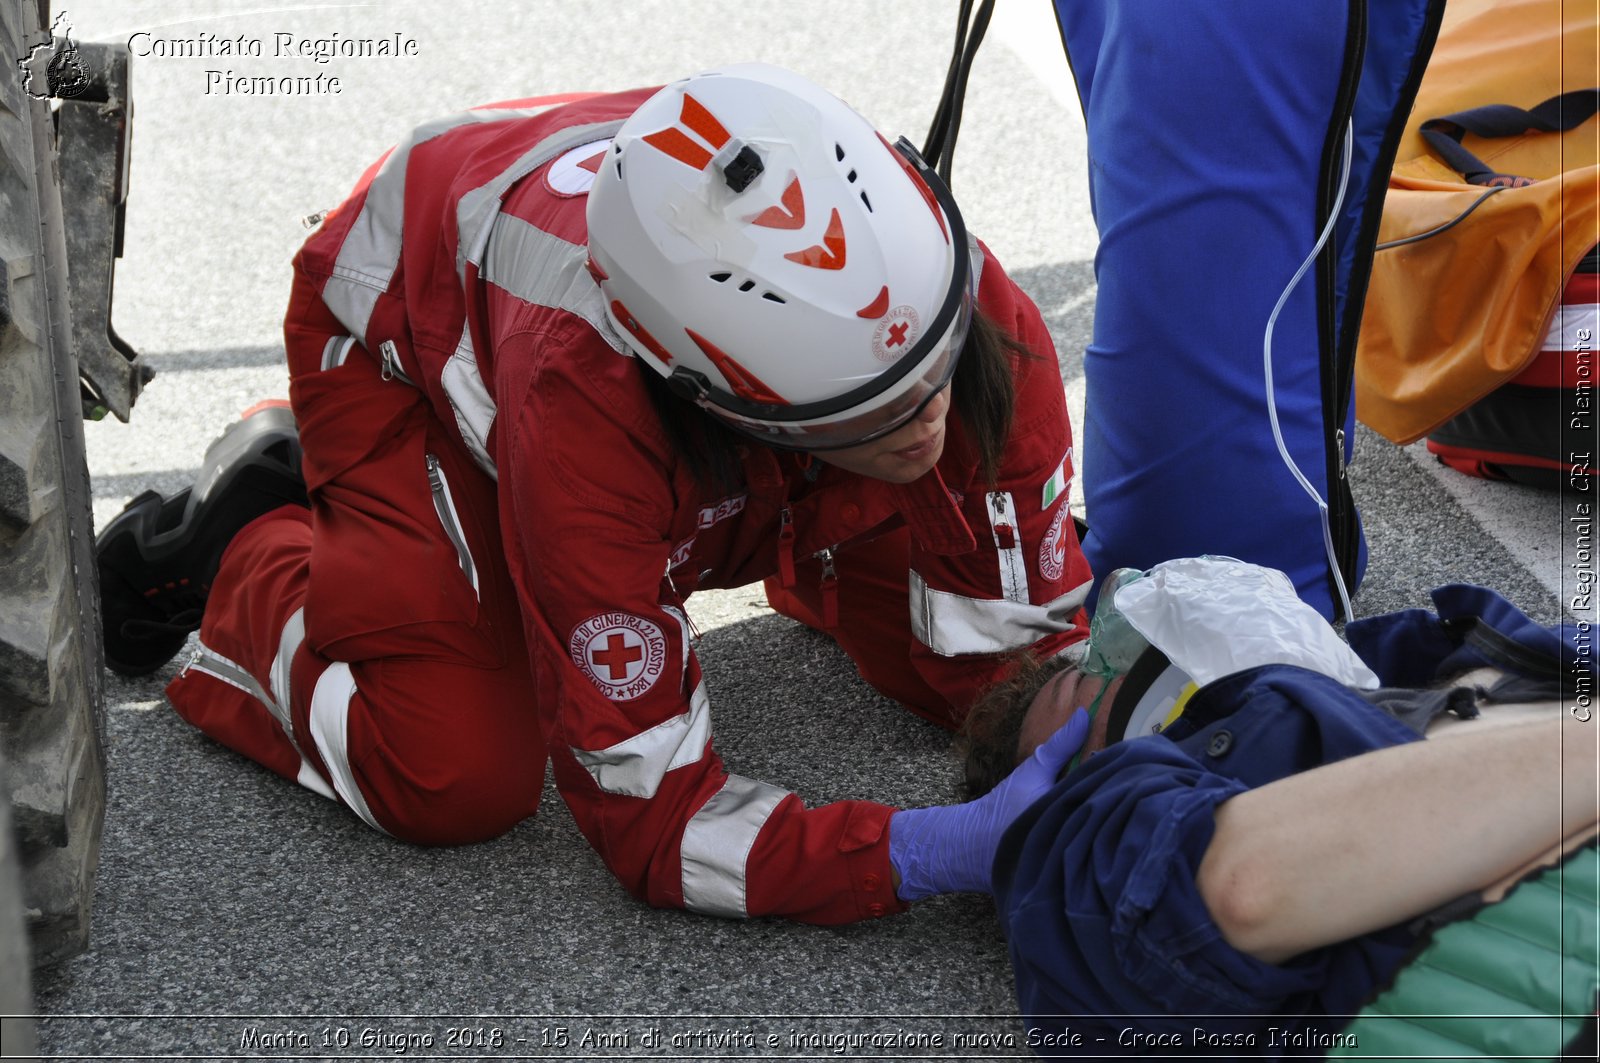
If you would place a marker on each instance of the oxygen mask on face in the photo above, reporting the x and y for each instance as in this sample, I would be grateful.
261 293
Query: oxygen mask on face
1114 644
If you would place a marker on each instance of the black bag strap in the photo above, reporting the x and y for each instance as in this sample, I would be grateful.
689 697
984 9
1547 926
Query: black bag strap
1555 115
939 150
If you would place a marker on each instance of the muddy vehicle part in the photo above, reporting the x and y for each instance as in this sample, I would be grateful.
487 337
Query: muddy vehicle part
63 113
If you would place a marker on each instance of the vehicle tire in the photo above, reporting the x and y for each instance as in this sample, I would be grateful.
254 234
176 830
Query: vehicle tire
50 654
16 999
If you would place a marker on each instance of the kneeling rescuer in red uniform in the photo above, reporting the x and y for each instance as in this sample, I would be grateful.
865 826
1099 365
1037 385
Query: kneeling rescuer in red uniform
555 365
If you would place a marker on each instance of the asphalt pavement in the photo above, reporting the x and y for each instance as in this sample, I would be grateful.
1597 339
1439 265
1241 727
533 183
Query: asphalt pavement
238 915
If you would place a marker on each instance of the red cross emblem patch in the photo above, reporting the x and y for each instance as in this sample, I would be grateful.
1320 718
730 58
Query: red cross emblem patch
896 333
623 655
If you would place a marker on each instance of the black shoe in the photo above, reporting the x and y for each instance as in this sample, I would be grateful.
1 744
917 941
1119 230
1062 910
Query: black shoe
157 558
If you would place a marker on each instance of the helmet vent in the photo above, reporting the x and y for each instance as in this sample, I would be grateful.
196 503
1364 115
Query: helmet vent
851 175
747 285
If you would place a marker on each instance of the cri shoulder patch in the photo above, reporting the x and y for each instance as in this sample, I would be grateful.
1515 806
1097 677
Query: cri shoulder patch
623 655
1053 548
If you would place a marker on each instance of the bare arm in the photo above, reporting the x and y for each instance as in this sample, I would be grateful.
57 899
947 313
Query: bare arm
1364 843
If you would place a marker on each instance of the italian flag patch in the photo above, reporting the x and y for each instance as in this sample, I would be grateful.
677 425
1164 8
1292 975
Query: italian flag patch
1059 480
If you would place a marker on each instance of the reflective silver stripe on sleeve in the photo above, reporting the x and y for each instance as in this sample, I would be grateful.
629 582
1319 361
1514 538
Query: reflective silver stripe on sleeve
952 624
370 253
470 401
330 723
716 846
635 766
1013 568
277 702
546 270
478 208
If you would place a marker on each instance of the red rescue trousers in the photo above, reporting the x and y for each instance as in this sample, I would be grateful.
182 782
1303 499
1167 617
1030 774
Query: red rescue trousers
371 648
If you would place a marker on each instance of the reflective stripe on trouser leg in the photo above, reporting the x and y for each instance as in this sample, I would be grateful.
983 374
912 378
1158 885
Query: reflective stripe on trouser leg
276 702
329 715
330 730
294 633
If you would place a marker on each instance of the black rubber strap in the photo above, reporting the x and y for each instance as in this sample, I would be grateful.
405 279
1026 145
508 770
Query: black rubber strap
1555 115
940 148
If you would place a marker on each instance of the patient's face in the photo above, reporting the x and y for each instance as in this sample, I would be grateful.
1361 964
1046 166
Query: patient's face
1057 700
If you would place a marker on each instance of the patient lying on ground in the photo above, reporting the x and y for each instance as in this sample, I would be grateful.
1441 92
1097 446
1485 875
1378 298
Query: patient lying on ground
1265 859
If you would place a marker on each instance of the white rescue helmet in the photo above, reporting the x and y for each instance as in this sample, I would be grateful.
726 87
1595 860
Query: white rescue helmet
763 247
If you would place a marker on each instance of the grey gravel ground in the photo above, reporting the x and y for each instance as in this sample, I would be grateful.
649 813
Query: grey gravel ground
239 916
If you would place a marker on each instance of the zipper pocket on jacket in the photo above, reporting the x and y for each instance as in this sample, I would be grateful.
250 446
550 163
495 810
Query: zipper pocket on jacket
389 363
444 506
1008 547
829 588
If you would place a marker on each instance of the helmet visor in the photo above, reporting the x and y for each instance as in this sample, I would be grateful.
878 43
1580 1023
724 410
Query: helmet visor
878 415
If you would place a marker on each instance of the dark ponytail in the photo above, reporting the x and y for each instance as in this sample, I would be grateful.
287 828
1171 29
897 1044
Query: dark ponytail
985 390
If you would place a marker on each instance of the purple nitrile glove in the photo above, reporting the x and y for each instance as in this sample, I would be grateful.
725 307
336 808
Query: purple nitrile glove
950 848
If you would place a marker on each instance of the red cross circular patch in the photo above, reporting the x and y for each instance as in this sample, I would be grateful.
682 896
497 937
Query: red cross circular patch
896 334
622 655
